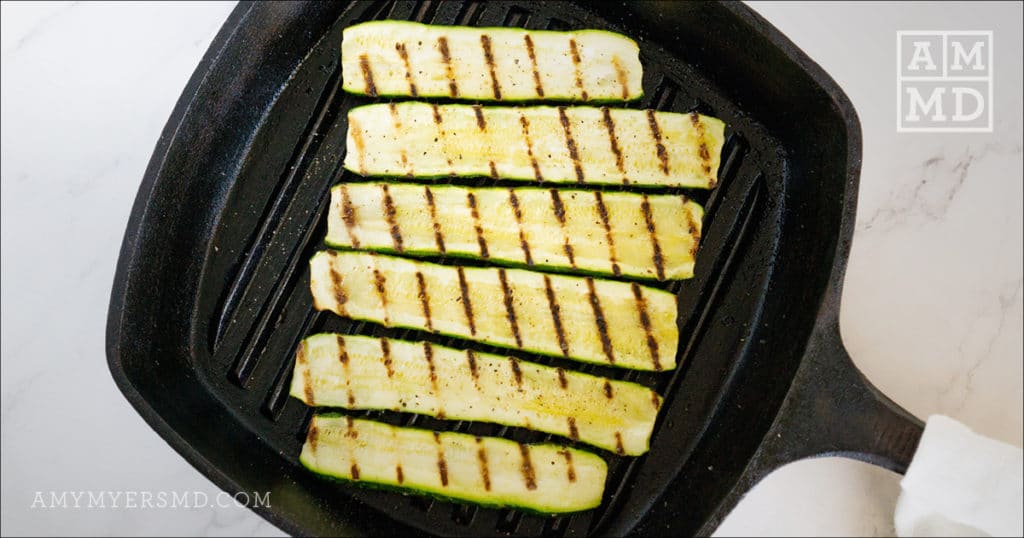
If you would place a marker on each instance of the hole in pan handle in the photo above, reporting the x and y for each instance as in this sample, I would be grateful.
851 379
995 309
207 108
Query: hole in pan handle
831 409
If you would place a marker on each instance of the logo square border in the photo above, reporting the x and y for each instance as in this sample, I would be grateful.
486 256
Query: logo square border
990 78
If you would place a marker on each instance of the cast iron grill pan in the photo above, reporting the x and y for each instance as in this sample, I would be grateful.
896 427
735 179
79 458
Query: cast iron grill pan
261 215
260 361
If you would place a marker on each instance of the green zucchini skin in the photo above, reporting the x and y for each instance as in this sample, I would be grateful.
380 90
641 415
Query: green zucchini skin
490 471
583 145
606 322
360 372
408 59
614 233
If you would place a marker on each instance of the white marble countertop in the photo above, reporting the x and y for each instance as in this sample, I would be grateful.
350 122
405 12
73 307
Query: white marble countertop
932 309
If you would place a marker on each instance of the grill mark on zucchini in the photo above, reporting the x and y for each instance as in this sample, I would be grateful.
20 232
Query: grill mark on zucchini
514 201
405 164
385 350
442 47
575 53
556 318
659 260
561 378
609 124
608 390
442 465
480 121
570 471
428 354
357 138
652 121
348 214
525 123
351 433
307 375
510 310
400 47
421 283
471 200
656 400
485 42
471 360
467 307
517 372
603 212
571 144
538 87
391 214
494 170
380 282
705 157
645 320
528 474
481 456
441 134
574 432
620 73
691 226
399 475
438 236
618 444
364 65
340 297
396 119
556 204
313 436
602 324
343 359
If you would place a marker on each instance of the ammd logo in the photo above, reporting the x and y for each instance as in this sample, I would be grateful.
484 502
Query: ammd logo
944 81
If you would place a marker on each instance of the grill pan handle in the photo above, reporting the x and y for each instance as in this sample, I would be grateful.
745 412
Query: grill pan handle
833 410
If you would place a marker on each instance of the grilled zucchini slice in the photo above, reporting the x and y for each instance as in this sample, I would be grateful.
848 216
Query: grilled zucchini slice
398 58
361 372
485 470
601 321
555 144
637 235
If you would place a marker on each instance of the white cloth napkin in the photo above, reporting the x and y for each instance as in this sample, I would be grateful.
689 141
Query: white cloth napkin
961 484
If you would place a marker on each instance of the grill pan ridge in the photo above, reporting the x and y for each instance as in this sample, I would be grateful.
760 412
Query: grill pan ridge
256 142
